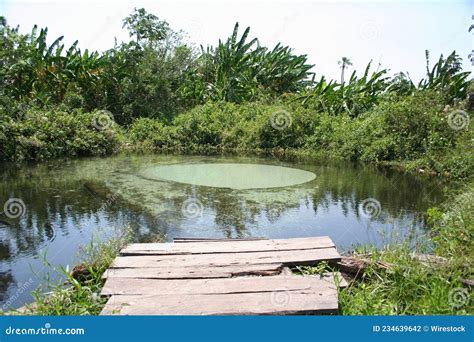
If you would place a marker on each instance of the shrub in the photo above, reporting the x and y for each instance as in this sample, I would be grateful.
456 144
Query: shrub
404 128
284 126
245 126
152 133
48 134
205 125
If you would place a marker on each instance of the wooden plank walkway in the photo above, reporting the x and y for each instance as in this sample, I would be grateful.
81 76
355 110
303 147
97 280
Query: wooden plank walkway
221 277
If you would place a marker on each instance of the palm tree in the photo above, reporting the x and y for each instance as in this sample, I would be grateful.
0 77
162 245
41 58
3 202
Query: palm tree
344 63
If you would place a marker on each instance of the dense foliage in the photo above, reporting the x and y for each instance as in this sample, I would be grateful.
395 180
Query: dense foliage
137 78
240 70
156 91
42 134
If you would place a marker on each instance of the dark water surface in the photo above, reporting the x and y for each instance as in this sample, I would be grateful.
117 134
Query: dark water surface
54 208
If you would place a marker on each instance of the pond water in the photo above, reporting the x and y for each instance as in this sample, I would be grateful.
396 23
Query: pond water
52 209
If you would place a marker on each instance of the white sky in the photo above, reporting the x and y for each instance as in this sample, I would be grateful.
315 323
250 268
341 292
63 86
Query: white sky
396 33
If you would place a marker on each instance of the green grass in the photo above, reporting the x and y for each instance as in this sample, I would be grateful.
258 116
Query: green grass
408 287
80 294
413 287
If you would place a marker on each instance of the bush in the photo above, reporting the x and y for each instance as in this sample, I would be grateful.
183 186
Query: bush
283 126
205 125
246 126
48 134
401 129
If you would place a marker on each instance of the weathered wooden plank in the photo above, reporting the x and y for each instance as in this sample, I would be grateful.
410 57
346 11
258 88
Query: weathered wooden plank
207 277
193 239
194 272
227 247
278 302
133 286
287 258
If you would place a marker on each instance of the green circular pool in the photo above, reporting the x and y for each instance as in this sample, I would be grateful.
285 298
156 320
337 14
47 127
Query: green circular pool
230 175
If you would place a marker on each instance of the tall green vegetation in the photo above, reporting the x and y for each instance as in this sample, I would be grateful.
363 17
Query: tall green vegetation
446 76
239 70
360 94
357 95
137 78
145 75
165 94
35 73
156 74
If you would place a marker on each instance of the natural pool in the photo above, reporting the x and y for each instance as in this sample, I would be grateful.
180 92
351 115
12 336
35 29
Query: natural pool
62 204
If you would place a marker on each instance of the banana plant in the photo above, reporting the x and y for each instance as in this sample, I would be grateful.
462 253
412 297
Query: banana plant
352 97
447 76
239 69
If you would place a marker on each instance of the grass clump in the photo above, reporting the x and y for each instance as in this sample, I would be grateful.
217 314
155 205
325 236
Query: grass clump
80 293
408 287
414 285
